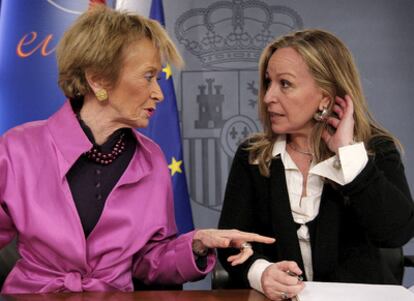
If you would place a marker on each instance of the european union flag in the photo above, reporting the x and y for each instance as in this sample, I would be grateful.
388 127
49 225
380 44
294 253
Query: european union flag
164 128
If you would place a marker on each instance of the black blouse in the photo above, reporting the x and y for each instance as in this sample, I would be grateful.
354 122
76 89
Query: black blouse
91 183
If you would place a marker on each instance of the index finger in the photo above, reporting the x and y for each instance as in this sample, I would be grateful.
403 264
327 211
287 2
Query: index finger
262 239
247 236
349 102
348 105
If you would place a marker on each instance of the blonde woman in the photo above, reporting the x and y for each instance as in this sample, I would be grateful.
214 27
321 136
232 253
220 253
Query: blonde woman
323 178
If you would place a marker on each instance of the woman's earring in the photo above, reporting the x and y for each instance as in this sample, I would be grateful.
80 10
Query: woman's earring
101 95
321 115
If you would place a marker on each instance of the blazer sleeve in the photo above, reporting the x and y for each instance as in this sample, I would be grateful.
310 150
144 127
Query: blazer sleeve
166 258
238 213
381 197
7 229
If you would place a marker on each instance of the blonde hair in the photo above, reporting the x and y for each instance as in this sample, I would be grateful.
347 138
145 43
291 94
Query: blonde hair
96 41
333 68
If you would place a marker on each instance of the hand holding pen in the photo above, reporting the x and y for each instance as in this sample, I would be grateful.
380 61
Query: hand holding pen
282 280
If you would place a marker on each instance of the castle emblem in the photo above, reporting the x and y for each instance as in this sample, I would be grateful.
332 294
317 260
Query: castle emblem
220 95
210 106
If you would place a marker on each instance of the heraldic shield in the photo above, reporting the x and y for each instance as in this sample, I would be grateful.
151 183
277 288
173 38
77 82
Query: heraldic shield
219 101
219 112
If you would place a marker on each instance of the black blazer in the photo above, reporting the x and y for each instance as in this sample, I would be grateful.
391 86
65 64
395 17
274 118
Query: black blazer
374 210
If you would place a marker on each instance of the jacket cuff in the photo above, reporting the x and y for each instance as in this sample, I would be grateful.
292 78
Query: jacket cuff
186 264
365 177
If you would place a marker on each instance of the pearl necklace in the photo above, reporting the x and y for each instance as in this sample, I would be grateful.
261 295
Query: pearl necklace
94 154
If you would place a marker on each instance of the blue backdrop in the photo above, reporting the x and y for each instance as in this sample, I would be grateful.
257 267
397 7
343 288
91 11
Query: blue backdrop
29 32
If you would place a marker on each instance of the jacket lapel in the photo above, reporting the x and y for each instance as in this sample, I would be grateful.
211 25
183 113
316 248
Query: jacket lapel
325 239
287 244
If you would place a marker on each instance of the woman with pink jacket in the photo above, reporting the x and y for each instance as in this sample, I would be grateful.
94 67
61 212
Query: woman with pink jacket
88 197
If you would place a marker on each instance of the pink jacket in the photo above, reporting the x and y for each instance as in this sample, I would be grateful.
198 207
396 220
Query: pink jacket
135 235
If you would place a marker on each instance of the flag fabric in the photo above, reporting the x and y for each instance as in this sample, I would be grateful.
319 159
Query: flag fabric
164 129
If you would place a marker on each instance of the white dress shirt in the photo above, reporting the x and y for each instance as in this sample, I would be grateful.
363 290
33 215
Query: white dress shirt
353 159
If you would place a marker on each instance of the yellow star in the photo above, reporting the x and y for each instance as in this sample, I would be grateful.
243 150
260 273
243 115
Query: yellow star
167 71
175 166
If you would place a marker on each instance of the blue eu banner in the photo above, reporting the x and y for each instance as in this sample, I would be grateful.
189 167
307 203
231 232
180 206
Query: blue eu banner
29 33
164 128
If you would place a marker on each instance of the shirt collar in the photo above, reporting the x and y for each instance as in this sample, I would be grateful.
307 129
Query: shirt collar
142 162
279 149
71 142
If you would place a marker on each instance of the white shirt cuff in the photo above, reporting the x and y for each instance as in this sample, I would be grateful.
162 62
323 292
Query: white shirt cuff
353 159
255 273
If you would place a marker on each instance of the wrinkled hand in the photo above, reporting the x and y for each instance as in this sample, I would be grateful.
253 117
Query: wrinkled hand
277 284
213 238
343 124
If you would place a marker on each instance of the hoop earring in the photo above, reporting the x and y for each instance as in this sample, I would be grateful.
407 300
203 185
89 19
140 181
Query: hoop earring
101 95
321 115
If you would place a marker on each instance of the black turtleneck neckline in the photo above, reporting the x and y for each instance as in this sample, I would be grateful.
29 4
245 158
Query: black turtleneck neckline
90 182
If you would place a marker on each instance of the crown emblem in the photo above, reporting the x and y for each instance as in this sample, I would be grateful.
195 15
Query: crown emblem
227 33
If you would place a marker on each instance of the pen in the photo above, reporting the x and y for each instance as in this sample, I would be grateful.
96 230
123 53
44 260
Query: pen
290 273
